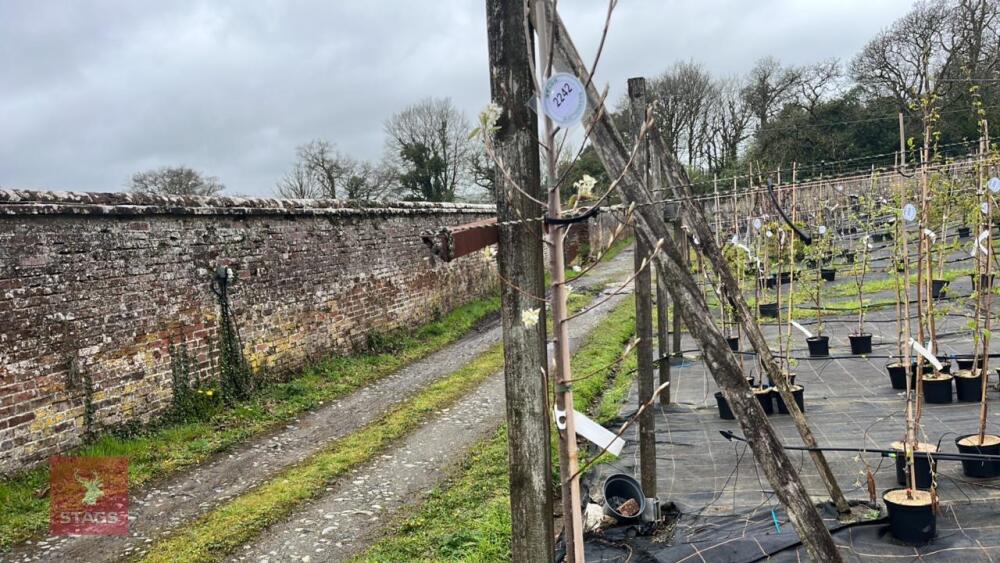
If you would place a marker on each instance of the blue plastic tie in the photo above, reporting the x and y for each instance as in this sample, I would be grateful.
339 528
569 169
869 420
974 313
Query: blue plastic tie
774 517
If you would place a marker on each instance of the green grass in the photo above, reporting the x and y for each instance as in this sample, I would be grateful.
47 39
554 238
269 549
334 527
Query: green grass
220 532
167 448
468 518
226 528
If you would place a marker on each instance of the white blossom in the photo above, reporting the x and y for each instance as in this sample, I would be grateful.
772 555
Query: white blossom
585 186
530 317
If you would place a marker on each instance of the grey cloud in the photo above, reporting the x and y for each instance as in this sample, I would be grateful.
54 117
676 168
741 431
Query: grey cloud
92 91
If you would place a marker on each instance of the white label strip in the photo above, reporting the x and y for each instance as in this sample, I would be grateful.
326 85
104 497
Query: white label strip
597 434
802 329
979 242
926 354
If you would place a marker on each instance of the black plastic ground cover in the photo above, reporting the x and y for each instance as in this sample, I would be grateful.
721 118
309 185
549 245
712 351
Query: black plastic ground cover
969 532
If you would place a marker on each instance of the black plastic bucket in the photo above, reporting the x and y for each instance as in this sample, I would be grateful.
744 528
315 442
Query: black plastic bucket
878 237
734 343
937 287
964 232
937 391
914 525
768 309
766 400
797 393
967 363
969 389
897 375
979 468
725 413
982 281
848 257
828 274
921 466
625 487
861 343
818 346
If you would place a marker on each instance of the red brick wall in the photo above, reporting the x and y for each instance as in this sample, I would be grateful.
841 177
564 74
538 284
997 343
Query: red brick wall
109 280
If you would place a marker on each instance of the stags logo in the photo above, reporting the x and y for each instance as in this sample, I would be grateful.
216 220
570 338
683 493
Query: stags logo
89 496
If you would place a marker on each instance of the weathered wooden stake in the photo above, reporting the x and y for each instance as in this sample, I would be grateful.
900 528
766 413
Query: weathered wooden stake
520 261
643 306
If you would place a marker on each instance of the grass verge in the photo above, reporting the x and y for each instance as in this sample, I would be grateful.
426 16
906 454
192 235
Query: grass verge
468 518
167 448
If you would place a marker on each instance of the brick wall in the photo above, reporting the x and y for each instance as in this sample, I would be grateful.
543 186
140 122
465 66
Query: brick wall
107 281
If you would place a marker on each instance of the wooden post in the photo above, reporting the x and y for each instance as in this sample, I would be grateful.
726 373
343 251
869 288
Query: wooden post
767 448
521 262
643 305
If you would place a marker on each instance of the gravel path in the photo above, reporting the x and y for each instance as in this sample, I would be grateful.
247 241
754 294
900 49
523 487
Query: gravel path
191 493
357 511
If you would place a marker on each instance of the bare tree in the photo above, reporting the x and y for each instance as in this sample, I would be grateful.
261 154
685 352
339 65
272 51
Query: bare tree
683 110
429 142
908 60
299 184
769 87
976 27
326 164
817 83
175 180
732 119
367 181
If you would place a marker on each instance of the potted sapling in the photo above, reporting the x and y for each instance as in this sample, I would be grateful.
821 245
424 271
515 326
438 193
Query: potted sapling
861 342
819 345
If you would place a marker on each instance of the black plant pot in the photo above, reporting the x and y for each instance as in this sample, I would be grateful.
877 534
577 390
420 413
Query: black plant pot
913 524
797 393
964 232
768 309
975 468
725 413
888 235
861 343
969 387
878 237
734 343
771 281
828 274
897 375
937 287
786 277
937 391
967 363
766 400
818 346
984 281
848 257
771 382
922 464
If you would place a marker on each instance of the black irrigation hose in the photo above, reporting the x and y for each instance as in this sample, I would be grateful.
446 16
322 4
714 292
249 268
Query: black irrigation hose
943 456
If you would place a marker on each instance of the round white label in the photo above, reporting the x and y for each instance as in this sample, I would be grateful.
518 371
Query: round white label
985 208
757 224
994 185
822 229
735 239
565 99
840 188
769 233
909 212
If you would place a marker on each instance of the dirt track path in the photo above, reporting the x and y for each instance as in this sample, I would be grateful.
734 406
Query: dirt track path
357 510
155 511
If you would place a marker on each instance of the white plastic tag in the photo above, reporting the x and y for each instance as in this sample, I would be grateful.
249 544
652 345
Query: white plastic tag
597 434
926 354
802 329
994 184
565 99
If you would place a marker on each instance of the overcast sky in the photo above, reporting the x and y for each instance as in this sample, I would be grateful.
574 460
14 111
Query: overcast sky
93 91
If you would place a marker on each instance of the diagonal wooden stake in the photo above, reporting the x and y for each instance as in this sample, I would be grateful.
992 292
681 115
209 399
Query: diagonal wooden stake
763 441
678 179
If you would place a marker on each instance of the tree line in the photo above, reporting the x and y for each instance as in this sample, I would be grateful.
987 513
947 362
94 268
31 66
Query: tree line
943 52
